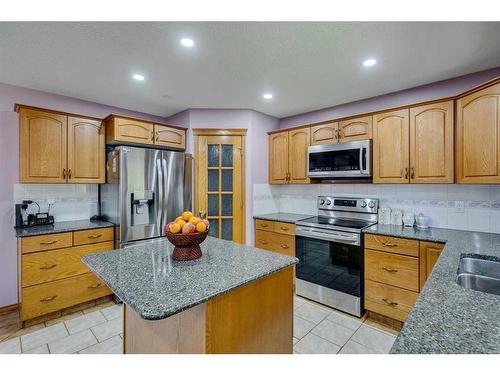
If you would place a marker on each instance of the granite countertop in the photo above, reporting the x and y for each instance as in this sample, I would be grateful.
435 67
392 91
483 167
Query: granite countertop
146 278
62 226
448 318
283 217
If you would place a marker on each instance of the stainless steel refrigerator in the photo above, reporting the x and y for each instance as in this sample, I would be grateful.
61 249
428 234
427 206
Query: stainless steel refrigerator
144 190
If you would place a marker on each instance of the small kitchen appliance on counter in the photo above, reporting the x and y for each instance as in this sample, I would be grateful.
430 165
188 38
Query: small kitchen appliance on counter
25 219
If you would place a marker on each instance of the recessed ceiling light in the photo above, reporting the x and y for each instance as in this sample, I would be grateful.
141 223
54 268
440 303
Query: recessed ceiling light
187 42
267 96
138 77
369 62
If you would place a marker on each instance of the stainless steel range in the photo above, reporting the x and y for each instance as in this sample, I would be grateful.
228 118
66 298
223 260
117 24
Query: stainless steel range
330 251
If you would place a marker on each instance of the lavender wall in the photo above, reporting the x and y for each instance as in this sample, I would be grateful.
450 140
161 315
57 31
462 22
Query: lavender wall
436 90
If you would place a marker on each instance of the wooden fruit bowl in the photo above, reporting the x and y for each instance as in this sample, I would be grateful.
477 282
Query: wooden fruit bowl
187 246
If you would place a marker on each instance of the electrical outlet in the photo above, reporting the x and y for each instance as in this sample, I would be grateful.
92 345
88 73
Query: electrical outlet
51 201
459 206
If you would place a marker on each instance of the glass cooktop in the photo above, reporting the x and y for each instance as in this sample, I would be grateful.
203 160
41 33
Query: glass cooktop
337 222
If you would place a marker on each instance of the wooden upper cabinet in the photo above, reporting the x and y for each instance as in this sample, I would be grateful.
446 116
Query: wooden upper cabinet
170 137
324 134
42 146
299 141
278 158
356 129
431 143
86 151
478 136
123 129
391 147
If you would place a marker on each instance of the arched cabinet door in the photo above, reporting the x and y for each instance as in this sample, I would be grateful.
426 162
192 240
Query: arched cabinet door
299 141
86 151
170 137
478 137
325 134
278 158
123 129
355 129
391 152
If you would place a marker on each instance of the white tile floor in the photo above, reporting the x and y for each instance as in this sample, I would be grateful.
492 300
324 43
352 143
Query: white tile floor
317 329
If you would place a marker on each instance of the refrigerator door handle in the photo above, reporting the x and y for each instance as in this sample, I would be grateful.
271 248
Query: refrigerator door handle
159 209
166 187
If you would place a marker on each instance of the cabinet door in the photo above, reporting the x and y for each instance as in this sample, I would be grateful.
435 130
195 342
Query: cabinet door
324 134
431 143
297 155
391 147
170 137
133 131
356 129
278 158
429 253
86 151
478 136
42 146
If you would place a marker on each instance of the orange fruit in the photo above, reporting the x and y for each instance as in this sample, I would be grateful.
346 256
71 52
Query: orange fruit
175 228
178 218
181 222
194 220
201 227
186 215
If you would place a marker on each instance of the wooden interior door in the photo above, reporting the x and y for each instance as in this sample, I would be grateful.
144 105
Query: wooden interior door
356 129
478 136
219 184
86 151
431 143
429 253
391 147
325 134
299 141
42 146
170 137
278 158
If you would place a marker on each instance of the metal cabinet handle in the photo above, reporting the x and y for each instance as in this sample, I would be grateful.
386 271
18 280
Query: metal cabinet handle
49 242
263 242
390 303
284 228
406 172
48 266
94 235
48 299
94 286
152 136
412 173
64 173
389 269
264 225
69 173
283 246
388 244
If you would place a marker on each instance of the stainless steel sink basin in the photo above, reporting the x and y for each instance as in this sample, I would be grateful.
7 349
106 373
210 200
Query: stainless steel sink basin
479 274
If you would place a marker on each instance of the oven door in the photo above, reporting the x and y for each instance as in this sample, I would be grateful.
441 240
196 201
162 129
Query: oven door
341 160
330 271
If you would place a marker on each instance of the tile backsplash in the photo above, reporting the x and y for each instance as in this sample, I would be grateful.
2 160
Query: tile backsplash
441 202
72 201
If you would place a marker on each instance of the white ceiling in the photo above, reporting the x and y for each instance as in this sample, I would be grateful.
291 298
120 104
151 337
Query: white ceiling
306 66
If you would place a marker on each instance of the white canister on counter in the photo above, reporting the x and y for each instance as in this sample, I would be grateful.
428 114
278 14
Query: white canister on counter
396 217
423 222
408 219
384 215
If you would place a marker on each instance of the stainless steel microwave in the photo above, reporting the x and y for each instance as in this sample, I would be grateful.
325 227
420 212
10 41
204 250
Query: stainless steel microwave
349 160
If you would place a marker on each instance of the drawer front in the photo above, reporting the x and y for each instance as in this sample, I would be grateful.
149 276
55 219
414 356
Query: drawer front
395 270
54 265
280 243
284 228
387 300
49 297
46 242
392 244
84 237
264 225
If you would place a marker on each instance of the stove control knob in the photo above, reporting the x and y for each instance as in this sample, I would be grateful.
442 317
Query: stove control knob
328 202
321 202
363 204
371 204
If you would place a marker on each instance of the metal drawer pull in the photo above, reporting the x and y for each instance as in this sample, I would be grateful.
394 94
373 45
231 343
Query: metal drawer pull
48 299
264 225
284 228
390 303
263 242
387 244
49 243
48 266
389 269
283 246
94 286
94 235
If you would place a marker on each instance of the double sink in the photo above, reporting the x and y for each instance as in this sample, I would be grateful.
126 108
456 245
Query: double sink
477 273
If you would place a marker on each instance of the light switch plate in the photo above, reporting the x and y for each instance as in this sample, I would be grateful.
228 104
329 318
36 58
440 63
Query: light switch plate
459 206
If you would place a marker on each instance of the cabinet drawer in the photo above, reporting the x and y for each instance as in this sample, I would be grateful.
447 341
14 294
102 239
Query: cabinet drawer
84 237
54 265
284 228
46 242
280 243
264 225
49 297
392 244
396 270
388 300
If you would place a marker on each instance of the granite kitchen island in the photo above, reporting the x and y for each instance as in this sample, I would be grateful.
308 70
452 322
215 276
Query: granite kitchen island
234 299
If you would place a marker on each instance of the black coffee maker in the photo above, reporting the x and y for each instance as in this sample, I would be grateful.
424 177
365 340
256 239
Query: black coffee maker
24 220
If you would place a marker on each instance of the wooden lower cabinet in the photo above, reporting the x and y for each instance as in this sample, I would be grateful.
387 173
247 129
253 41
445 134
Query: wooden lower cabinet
388 300
52 275
275 236
429 254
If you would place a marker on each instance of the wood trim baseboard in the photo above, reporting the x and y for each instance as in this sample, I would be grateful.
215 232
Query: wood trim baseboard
207 131
9 308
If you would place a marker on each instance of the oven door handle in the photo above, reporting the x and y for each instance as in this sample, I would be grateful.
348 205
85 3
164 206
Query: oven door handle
320 235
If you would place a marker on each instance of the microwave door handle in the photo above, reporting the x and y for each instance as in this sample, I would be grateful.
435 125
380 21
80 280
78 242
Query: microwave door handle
361 171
